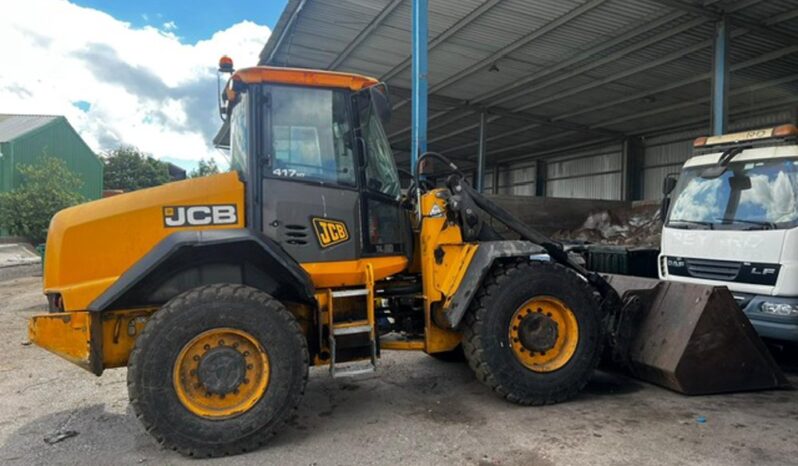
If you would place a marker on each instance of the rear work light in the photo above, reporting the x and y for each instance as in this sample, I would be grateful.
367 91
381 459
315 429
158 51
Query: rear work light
700 142
785 130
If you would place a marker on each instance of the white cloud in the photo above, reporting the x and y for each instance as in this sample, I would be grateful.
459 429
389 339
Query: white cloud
699 201
116 83
778 198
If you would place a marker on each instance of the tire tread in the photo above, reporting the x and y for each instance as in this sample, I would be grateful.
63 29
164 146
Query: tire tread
179 304
474 322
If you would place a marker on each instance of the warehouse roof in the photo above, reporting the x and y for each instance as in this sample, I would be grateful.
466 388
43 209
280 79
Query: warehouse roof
14 126
551 73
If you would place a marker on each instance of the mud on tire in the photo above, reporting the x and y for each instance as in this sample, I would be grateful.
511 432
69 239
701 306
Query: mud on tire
150 371
486 340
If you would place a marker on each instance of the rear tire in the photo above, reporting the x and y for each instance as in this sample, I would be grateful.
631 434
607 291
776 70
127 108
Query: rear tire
502 302
245 335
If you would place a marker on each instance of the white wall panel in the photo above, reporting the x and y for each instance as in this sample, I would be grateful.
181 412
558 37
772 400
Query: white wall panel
592 174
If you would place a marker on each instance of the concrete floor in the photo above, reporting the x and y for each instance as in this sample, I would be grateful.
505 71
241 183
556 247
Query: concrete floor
416 411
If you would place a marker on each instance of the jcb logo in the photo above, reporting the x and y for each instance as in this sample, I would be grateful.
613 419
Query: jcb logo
199 215
330 232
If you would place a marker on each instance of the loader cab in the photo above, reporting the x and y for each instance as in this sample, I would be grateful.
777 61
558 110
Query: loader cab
321 178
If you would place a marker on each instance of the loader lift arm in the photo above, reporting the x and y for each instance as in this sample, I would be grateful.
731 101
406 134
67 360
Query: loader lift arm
611 302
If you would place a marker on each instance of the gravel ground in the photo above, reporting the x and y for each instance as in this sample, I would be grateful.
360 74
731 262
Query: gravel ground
417 410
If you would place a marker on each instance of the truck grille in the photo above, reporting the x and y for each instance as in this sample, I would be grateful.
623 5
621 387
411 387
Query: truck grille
755 273
712 269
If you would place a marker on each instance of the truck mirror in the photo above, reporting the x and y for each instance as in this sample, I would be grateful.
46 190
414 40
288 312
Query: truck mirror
668 184
740 183
713 172
381 101
663 209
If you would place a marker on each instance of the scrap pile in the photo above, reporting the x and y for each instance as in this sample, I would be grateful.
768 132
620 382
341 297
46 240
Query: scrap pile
638 226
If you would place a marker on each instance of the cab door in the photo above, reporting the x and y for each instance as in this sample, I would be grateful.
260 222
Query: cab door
310 201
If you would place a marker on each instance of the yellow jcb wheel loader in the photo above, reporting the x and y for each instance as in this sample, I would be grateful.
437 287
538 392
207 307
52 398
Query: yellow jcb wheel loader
218 293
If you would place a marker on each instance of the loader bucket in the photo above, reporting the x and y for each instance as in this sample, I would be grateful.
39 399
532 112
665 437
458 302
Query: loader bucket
693 339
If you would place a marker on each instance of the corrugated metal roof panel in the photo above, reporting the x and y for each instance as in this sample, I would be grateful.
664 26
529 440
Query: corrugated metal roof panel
14 126
630 66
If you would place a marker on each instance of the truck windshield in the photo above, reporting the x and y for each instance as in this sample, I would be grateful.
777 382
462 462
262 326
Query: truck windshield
752 195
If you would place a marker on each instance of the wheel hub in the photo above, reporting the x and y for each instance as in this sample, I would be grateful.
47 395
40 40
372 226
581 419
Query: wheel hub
221 370
538 332
221 373
543 334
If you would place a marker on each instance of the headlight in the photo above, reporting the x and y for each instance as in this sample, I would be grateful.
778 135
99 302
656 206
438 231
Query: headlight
780 309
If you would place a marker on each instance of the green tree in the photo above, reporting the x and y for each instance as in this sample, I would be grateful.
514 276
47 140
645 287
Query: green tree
129 169
47 187
204 168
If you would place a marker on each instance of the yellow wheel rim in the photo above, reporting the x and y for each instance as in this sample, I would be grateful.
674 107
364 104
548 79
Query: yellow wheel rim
543 334
221 373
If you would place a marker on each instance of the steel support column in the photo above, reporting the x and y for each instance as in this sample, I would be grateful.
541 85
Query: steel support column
495 187
419 71
720 78
479 182
540 178
632 169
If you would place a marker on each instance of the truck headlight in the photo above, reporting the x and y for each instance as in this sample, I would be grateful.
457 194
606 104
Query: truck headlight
779 309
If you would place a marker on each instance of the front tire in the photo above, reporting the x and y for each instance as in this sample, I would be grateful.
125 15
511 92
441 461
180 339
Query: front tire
217 370
534 333
455 355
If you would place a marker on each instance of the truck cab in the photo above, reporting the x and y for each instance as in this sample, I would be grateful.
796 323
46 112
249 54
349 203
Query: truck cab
732 220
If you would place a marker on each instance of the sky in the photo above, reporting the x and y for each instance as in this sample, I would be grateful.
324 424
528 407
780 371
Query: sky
141 73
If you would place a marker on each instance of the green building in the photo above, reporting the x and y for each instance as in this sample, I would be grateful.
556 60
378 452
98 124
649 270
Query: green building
25 138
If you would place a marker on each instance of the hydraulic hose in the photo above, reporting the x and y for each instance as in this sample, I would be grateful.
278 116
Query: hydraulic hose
434 155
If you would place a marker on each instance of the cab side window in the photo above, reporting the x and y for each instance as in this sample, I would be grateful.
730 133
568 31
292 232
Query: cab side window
312 136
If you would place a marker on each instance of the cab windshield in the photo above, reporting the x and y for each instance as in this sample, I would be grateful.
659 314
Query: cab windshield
754 195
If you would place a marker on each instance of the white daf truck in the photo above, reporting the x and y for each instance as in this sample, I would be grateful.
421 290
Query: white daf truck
732 219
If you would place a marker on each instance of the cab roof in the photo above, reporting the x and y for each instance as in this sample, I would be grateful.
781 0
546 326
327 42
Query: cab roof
290 76
303 77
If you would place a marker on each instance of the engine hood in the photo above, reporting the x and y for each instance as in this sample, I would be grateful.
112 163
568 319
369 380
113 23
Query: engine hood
90 245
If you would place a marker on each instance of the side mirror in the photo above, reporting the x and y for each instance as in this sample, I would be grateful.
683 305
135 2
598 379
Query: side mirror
663 209
668 185
381 101
713 172
740 183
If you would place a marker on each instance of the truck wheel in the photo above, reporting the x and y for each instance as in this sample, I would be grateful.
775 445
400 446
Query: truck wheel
217 370
534 333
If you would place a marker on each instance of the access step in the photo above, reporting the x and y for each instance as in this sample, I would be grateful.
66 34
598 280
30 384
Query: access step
351 328
353 369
